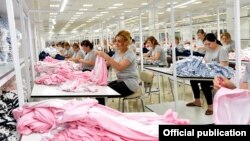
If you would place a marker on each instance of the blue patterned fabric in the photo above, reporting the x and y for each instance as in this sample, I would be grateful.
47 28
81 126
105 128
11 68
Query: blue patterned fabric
4 24
194 67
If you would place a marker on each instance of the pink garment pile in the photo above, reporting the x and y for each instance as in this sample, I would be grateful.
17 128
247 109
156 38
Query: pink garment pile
87 120
245 55
45 67
231 106
70 80
50 59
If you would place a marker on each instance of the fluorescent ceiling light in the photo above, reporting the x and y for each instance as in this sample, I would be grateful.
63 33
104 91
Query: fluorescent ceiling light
98 15
76 16
112 7
144 3
54 21
170 3
160 13
79 13
54 5
160 7
53 13
104 12
63 5
182 4
118 4
83 9
197 2
87 5
127 11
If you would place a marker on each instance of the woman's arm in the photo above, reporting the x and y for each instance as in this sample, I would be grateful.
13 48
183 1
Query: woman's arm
87 62
224 63
119 66
223 82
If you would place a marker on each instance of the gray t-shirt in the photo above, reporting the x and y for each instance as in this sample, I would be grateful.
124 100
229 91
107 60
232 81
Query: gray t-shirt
200 47
162 60
130 74
132 47
218 55
91 57
78 53
230 47
246 77
68 52
180 47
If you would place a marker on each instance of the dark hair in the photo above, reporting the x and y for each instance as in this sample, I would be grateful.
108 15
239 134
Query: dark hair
177 38
76 45
133 40
87 43
152 40
66 44
212 38
201 31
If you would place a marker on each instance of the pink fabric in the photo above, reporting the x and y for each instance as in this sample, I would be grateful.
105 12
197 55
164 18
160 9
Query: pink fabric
87 120
50 59
63 74
231 106
245 55
100 77
38 117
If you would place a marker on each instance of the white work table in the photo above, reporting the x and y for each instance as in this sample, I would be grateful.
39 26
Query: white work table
196 115
168 72
43 91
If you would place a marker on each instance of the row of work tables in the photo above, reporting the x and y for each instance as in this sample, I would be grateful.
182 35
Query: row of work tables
43 91
196 115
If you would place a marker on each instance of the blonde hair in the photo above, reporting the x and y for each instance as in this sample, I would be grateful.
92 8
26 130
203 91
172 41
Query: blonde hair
125 34
227 35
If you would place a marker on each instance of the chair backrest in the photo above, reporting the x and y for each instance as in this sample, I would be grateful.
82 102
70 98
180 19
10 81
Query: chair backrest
147 76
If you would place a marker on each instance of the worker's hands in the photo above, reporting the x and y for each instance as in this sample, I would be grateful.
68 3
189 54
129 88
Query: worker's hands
103 55
220 81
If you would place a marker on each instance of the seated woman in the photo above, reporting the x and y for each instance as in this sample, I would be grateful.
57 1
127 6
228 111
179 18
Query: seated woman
78 54
124 62
89 59
215 53
227 42
199 48
224 82
156 54
68 51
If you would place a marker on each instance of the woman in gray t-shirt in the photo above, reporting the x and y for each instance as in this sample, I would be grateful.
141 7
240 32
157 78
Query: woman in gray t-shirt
88 61
227 42
156 54
124 63
216 53
78 54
